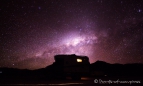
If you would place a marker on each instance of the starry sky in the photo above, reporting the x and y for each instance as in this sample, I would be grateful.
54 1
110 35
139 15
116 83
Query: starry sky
33 31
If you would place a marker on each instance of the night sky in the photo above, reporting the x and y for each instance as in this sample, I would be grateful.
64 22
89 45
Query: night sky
33 31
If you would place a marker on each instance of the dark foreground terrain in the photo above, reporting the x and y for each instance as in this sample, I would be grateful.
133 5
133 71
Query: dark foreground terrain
101 74
85 81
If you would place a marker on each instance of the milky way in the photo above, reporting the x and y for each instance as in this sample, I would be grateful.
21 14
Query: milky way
33 31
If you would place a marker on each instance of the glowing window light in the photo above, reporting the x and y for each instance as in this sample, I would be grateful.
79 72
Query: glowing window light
79 60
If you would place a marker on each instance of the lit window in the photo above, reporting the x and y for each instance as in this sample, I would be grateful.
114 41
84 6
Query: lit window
79 60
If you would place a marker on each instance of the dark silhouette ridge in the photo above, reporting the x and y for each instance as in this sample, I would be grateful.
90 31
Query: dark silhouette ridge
108 69
98 68
53 71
